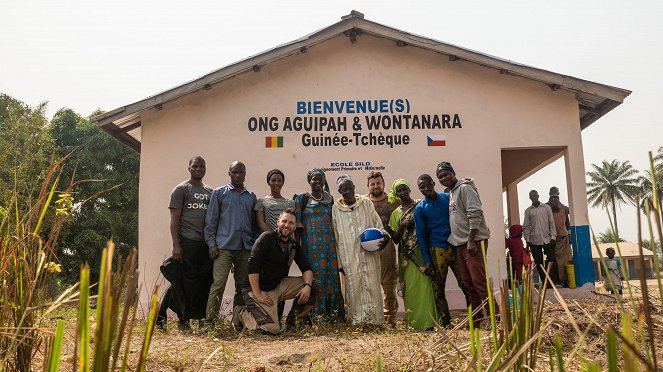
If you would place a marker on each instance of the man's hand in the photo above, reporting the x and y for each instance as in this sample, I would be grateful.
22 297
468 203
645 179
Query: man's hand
385 240
213 253
263 299
429 269
304 295
472 248
177 252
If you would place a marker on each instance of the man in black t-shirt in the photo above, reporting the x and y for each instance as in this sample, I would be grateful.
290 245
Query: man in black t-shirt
268 282
188 293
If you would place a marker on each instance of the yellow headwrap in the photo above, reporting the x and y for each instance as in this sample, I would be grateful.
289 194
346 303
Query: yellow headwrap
391 196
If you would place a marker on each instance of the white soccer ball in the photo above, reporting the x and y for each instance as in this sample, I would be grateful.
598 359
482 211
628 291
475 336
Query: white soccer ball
370 239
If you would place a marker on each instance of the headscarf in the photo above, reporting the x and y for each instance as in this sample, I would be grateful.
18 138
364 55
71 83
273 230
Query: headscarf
445 165
343 178
391 195
515 230
314 172
273 172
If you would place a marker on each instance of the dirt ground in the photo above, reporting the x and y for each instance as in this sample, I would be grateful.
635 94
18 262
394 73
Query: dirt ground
326 347
344 348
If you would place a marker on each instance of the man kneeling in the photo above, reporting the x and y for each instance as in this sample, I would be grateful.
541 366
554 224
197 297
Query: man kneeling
268 282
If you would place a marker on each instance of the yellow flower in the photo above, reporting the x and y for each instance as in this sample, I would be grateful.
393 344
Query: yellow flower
53 267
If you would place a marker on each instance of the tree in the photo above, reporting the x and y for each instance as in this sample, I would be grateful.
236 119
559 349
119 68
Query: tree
647 192
25 147
609 236
610 184
647 187
109 214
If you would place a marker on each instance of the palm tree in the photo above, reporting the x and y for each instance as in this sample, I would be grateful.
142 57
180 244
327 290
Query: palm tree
658 160
612 183
609 236
646 192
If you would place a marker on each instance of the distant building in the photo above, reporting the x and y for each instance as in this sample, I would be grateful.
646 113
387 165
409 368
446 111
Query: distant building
630 257
358 96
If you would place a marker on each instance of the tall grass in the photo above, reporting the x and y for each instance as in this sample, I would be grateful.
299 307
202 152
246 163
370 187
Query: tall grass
24 251
29 230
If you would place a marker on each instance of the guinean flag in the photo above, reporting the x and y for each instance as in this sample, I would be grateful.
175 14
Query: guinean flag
273 142
437 140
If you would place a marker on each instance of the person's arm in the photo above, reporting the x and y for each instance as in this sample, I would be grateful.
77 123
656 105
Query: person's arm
254 279
474 211
175 214
422 234
253 268
305 293
377 222
212 223
260 216
335 229
393 227
527 227
255 226
551 225
568 220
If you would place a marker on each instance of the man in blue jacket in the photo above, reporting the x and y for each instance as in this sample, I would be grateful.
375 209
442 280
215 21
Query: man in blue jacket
431 220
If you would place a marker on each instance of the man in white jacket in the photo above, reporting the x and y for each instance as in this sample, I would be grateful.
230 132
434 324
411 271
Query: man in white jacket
469 232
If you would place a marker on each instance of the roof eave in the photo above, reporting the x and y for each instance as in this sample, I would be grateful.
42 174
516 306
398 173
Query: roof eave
609 97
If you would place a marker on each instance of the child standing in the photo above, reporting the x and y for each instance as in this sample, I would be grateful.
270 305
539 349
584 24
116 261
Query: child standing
517 251
614 274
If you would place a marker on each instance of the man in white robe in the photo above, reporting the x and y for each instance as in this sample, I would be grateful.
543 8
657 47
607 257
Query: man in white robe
352 214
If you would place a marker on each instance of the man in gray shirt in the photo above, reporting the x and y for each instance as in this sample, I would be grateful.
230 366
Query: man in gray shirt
229 232
188 206
540 233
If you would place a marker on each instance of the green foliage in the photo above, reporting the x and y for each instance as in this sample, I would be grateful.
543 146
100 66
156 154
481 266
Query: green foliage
611 184
95 156
25 147
609 236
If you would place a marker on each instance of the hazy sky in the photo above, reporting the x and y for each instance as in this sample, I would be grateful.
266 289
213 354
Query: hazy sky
106 54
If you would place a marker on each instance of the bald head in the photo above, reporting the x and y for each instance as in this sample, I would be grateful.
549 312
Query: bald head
237 173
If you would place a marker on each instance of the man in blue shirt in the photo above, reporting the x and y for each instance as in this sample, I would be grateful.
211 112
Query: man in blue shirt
431 221
229 236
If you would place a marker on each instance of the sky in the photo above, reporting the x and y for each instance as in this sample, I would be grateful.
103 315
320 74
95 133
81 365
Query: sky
89 54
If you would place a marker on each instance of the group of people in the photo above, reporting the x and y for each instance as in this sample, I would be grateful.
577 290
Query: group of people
229 229
546 229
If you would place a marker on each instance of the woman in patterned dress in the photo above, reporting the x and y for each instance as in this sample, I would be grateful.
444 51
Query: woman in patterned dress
314 216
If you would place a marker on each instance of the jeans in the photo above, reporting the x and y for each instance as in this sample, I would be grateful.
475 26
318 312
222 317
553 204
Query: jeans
227 259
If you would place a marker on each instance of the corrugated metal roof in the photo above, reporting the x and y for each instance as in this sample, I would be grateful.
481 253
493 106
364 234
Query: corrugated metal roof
594 99
628 249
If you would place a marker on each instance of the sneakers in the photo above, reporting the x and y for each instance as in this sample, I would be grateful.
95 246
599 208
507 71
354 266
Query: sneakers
237 318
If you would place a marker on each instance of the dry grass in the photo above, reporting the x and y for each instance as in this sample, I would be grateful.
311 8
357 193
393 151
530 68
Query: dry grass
346 348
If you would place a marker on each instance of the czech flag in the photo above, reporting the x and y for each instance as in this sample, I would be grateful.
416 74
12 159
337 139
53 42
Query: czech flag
273 142
437 140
